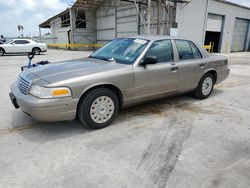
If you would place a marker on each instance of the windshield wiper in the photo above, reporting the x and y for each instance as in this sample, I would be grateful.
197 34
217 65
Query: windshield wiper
110 59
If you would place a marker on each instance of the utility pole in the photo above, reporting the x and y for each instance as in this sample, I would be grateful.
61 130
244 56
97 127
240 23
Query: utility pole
158 17
149 16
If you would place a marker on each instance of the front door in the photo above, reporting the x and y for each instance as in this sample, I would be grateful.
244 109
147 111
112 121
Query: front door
157 80
20 46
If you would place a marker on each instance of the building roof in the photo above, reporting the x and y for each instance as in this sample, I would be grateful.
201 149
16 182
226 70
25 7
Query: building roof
89 4
46 24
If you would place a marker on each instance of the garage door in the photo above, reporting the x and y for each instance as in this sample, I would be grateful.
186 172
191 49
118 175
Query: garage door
214 23
240 34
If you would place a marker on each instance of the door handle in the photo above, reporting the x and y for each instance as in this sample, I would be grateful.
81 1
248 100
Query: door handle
202 66
174 69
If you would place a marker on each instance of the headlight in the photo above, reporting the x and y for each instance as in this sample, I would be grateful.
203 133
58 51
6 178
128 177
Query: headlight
48 93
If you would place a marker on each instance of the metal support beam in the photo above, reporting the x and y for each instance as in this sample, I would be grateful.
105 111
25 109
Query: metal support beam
158 17
149 17
71 26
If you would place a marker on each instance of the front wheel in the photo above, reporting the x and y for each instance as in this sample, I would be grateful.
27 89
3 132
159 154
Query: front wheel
1 52
98 108
36 51
205 87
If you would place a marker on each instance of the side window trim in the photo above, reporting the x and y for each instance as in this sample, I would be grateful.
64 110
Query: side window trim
177 51
190 42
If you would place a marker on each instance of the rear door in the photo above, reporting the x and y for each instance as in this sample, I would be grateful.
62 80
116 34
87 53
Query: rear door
191 65
159 79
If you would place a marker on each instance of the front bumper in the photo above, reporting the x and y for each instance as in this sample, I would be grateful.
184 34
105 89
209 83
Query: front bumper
61 109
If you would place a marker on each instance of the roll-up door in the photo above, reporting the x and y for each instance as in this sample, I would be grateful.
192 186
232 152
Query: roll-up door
240 34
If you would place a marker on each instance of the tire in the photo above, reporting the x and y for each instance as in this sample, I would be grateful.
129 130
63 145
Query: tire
36 51
205 87
1 52
98 108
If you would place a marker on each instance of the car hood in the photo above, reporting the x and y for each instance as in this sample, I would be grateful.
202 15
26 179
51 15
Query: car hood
70 69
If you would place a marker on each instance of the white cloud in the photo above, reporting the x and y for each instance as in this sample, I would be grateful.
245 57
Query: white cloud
29 13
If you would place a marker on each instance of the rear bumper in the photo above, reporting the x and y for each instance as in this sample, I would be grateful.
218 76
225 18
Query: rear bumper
49 110
222 75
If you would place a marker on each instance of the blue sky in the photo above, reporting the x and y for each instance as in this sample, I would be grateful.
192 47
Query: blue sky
30 13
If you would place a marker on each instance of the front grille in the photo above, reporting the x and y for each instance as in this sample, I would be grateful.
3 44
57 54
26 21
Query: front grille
23 85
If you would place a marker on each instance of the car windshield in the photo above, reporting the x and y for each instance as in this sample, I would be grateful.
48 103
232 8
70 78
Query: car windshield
123 50
9 42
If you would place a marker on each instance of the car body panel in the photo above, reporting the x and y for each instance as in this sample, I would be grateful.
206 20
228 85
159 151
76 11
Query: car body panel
136 83
22 48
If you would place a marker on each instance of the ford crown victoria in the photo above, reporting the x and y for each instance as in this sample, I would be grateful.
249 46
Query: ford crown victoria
125 72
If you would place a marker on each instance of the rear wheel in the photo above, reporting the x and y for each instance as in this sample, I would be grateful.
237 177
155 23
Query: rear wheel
205 86
36 51
1 52
98 108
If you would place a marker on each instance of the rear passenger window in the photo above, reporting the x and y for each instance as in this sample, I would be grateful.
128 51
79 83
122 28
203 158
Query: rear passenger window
21 42
196 51
163 50
184 50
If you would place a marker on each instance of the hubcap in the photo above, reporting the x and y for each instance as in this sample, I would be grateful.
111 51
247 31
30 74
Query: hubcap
1 52
36 51
207 85
102 109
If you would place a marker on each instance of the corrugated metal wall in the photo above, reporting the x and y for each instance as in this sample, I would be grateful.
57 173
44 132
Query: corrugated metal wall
191 19
116 21
126 20
240 35
59 34
166 19
105 24
85 35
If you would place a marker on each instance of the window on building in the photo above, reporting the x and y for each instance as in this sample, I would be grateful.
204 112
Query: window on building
184 50
65 20
80 19
163 50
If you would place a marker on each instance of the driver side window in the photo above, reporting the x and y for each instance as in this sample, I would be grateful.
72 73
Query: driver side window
162 50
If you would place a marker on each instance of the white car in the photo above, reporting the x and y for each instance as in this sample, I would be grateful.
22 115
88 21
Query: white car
22 46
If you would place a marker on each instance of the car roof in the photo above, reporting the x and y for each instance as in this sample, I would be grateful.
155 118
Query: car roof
156 37
22 39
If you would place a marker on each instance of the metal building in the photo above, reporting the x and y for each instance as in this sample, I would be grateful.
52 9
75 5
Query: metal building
100 21
224 24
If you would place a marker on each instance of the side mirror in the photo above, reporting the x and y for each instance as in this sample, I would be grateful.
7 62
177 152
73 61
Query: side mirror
149 61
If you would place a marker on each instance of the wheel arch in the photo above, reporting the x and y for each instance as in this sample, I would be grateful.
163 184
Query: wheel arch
3 49
112 87
36 47
213 72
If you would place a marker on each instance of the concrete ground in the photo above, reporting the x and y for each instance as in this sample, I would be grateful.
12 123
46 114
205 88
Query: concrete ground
179 142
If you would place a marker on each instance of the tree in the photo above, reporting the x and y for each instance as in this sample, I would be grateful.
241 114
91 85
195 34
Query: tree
19 28
22 30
